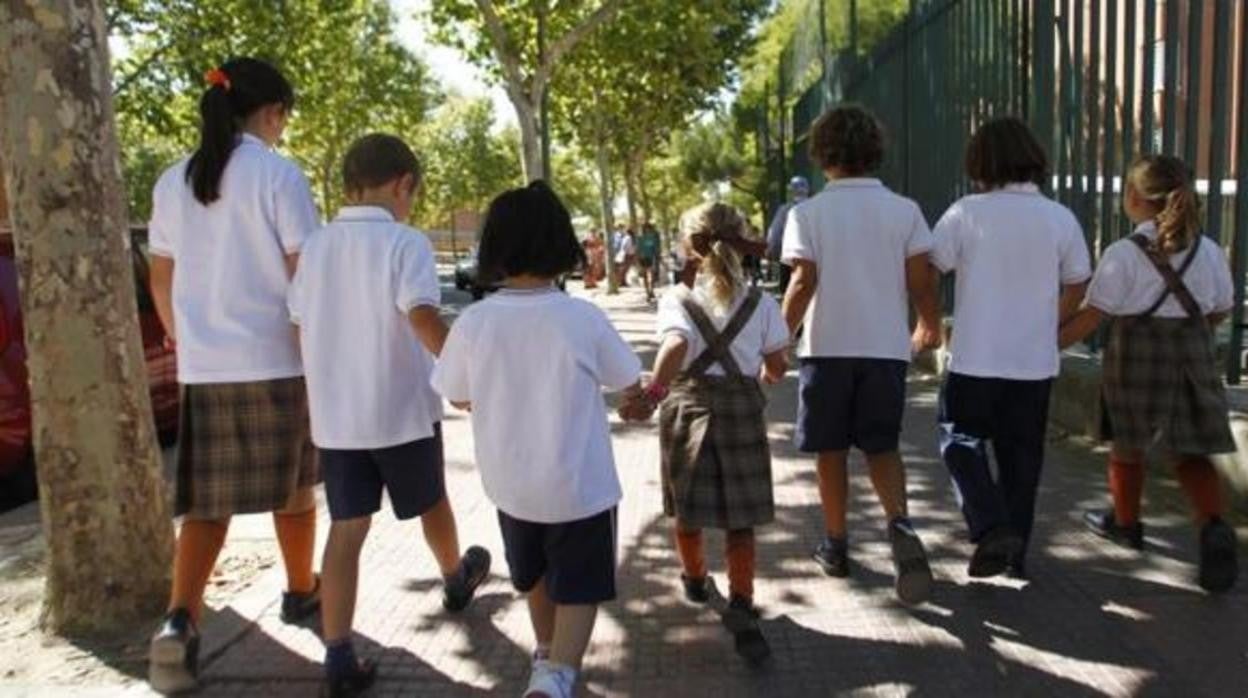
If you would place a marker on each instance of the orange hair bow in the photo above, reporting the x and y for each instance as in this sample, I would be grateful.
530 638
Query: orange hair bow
217 77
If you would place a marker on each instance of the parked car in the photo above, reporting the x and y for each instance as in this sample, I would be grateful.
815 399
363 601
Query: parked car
17 471
468 277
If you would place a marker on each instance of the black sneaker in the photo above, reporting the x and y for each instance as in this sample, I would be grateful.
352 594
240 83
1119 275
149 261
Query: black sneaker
354 683
697 589
914 576
741 619
1219 557
1102 523
996 550
173 657
473 570
833 557
298 607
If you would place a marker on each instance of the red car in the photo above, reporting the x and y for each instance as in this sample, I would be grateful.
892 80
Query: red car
17 471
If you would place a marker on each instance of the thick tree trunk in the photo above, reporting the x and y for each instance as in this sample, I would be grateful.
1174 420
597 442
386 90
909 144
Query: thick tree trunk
105 516
530 135
607 200
630 191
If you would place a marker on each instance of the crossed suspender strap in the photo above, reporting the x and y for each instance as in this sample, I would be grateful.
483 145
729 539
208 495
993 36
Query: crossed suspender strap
1174 279
718 344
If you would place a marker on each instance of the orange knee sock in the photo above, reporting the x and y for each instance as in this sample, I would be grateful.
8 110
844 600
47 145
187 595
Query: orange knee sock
741 562
689 546
1200 481
1126 486
199 544
296 535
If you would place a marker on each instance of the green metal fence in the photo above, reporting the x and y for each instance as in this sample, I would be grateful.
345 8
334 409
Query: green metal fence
1099 80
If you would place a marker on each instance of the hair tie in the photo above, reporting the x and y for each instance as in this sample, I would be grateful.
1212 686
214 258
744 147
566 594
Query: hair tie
217 78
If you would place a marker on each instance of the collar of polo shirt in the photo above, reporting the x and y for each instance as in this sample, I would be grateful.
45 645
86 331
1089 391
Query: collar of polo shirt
1020 188
853 182
364 213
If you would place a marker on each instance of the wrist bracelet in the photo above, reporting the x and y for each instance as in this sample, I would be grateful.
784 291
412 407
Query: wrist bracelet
655 393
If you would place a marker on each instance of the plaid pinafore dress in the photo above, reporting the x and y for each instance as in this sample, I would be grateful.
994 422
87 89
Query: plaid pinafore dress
1161 387
713 434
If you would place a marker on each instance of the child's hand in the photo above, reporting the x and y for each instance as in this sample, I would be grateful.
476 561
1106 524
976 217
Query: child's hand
465 406
636 408
925 338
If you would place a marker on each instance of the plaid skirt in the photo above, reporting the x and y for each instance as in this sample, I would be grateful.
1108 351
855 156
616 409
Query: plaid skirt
716 459
1161 388
243 448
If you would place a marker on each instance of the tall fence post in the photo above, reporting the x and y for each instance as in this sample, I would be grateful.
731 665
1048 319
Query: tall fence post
1042 75
1239 260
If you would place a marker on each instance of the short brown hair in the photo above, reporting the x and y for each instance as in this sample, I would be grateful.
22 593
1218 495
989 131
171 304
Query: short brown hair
376 159
848 138
1004 151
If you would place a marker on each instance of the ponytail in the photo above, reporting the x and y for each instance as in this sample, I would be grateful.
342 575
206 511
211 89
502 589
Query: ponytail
1169 183
705 230
238 89
1179 222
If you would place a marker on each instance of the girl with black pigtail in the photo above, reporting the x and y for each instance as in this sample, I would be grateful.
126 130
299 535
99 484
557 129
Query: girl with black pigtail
227 226
1164 288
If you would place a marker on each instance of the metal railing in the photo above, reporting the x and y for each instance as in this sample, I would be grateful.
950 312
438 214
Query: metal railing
1100 81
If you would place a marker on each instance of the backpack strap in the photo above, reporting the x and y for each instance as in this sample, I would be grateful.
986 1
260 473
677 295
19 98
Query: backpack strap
719 344
1174 279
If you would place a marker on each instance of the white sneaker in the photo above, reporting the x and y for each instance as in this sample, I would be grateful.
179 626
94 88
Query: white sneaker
550 681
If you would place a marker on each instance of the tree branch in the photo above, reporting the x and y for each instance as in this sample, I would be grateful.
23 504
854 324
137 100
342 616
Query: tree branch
508 60
566 42
141 68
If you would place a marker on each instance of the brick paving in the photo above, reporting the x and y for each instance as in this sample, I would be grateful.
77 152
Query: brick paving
1094 620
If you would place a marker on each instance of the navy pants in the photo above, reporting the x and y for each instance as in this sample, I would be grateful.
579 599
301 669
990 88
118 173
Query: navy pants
1012 415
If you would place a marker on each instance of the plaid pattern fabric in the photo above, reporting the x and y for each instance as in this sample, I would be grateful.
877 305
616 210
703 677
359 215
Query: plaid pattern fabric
243 447
716 459
1162 389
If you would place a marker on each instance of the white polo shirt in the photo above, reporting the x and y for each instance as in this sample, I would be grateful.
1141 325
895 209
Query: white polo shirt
1012 250
367 372
859 235
1127 283
533 365
764 333
230 278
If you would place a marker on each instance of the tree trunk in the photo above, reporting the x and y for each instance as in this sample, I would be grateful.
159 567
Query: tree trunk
606 199
643 192
530 133
105 515
630 191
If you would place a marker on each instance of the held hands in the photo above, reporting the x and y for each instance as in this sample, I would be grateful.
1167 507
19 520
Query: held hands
925 338
639 405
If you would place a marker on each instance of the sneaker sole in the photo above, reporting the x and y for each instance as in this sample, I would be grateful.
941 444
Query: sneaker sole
170 679
914 583
167 652
1219 564
455 603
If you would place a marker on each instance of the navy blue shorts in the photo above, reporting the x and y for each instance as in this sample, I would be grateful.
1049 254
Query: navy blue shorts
849 402
577 558
411 473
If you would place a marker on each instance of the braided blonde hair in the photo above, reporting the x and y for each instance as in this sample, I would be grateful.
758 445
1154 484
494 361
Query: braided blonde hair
704 230
1168 182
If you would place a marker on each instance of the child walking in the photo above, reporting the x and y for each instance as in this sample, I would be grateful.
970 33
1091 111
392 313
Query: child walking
717 341
228 223
1022 265
857 250
1164 288
530 363
366 300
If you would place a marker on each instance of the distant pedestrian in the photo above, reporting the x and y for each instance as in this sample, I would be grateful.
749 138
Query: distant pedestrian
366 300
1022 266
858 252
625 256
717 341
1165 288
649 245
530 364
799 191
227 227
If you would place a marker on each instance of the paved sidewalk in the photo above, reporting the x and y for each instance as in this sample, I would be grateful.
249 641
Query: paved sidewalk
1095 621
